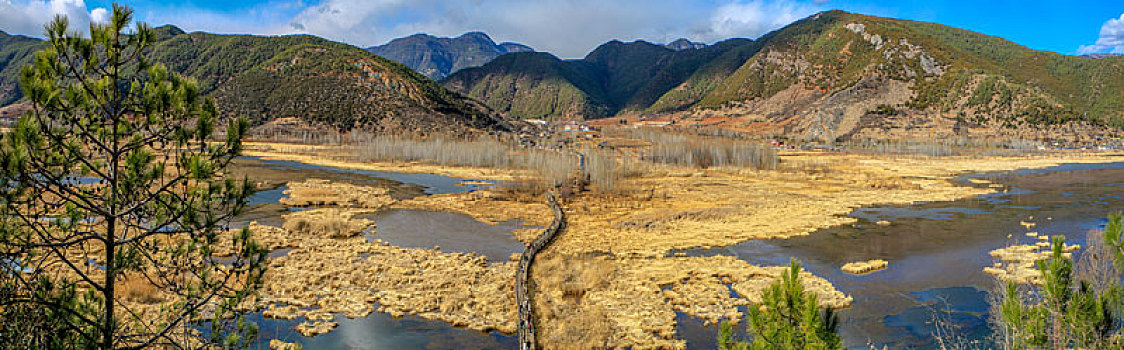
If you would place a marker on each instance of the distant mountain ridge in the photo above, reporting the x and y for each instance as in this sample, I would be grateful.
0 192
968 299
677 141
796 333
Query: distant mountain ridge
437 57
613 77
684 44
321 82
15 52
834 75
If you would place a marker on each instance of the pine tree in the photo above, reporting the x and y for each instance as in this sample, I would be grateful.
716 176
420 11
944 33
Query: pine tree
1061 313
1114 237
112 188
726 339
787 318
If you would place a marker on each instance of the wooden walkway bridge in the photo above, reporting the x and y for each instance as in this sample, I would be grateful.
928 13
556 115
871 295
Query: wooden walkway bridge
523 273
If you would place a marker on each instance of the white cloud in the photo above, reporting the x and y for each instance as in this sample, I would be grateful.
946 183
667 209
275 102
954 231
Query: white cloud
1111 39
99 15
754 18
351 21
28 17
266 18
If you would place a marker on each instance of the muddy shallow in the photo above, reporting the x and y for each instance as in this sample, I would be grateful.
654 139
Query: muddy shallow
273 174
936 252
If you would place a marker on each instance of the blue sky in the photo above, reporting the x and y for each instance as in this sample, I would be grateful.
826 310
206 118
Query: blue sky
570 28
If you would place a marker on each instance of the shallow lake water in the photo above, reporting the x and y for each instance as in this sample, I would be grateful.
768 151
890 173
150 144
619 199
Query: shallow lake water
274 174
453 232
937 252
382 331
270 196
429 183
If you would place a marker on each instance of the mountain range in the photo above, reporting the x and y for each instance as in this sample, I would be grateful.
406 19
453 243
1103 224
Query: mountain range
321 82
831 75
684 44
614 77
437 57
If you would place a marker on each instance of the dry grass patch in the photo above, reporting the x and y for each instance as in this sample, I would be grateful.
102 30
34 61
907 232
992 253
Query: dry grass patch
324 276
136 289
326 222
1017 263
275 344
318 192
663 218
864 267
631 299
724 206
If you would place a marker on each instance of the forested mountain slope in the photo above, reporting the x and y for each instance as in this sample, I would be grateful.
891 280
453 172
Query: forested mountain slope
310 78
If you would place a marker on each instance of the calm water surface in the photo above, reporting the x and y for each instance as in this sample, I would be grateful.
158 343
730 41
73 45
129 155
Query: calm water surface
453 232
382 331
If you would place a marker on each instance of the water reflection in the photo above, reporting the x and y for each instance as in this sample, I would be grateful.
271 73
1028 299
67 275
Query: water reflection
269 196
11 265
